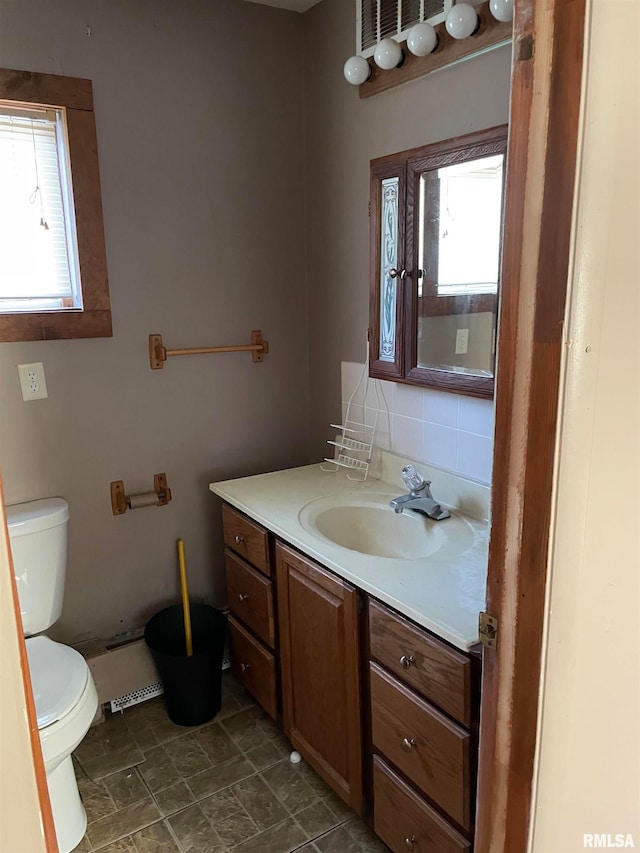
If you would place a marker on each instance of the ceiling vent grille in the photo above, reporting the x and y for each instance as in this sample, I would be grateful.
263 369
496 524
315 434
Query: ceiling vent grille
378 19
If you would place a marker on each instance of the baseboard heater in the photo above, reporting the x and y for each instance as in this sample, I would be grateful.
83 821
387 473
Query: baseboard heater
135 697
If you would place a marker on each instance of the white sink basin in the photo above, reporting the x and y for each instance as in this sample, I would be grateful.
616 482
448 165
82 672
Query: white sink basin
365 523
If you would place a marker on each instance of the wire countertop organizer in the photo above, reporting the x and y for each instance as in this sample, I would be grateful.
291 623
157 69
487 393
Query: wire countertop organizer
355 441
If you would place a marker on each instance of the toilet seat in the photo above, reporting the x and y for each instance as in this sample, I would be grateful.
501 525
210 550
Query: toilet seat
60 738
59 677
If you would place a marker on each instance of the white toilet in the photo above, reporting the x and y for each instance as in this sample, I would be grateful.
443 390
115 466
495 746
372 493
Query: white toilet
65 695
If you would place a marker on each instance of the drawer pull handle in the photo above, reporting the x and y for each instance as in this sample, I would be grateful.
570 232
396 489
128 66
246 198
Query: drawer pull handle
408 744
244 667
239 540
410 841
406 661
242 596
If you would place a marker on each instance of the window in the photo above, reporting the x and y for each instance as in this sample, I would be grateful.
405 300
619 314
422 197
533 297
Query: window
38 247
53 274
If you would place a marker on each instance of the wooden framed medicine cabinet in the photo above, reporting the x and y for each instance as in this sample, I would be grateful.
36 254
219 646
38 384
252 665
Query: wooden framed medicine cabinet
435 240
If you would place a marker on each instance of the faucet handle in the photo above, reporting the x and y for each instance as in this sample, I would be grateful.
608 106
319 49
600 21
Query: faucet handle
412 478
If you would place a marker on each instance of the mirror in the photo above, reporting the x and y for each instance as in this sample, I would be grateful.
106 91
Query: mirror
459 224
435 263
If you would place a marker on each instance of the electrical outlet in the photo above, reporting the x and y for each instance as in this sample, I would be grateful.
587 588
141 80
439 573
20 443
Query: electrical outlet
462 341
32 381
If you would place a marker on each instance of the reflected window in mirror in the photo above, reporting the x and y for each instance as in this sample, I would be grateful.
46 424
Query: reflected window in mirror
436 225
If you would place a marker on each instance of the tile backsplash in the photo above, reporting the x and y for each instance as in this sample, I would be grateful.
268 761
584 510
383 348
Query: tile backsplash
447 430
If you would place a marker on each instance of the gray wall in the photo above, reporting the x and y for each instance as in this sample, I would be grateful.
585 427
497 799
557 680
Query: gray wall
209 167
202 181
342 134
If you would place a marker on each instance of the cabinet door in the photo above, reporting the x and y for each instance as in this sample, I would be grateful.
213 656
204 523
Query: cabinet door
387 273
433 296
318 620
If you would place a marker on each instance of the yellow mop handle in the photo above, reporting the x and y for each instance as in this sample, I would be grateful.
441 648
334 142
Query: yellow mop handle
186 610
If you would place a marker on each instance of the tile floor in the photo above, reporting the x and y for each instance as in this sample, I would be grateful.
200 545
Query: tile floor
152 787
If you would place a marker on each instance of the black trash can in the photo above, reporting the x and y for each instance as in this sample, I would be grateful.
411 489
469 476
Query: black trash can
192 685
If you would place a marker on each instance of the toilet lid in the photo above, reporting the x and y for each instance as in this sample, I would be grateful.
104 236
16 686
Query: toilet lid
58 678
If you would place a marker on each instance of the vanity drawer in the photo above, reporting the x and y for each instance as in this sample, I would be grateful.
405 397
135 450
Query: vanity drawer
254 666
425 745
404 821
250 597
246 538
436 671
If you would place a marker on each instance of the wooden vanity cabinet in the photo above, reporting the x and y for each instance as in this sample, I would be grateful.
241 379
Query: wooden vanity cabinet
303 649
319 659
251 599
423 739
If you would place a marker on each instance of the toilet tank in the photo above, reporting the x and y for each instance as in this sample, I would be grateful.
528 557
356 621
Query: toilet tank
38 535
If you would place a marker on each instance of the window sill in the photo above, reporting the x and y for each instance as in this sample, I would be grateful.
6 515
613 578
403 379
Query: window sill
51 326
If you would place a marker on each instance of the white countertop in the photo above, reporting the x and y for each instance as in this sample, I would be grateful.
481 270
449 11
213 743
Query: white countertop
444 596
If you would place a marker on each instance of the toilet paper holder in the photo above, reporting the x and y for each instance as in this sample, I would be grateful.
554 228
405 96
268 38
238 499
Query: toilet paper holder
121 502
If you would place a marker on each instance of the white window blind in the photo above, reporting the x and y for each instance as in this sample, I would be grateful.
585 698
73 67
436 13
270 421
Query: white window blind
38 253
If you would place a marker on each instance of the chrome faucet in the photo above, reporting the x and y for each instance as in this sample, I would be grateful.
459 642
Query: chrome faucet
419 498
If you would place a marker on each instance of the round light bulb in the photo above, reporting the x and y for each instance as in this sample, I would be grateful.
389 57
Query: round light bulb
422 39
462 21
502 10
388 54
356 70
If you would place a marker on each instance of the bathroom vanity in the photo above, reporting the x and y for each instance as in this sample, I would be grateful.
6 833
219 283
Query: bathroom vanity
356 629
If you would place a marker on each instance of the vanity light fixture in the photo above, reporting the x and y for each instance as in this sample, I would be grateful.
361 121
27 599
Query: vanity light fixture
428 48
462 21
502 10
357 70
422 39
388 54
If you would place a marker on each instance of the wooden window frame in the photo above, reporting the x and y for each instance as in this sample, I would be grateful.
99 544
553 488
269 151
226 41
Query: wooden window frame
75 96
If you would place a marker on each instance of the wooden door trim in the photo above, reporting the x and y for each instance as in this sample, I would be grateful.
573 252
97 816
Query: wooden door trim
48 826
543 140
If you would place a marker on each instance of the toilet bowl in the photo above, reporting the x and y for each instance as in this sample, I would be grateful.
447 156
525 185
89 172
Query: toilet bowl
64 694
66 702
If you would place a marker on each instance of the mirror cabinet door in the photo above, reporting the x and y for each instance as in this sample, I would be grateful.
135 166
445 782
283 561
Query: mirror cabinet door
387 210
452 240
